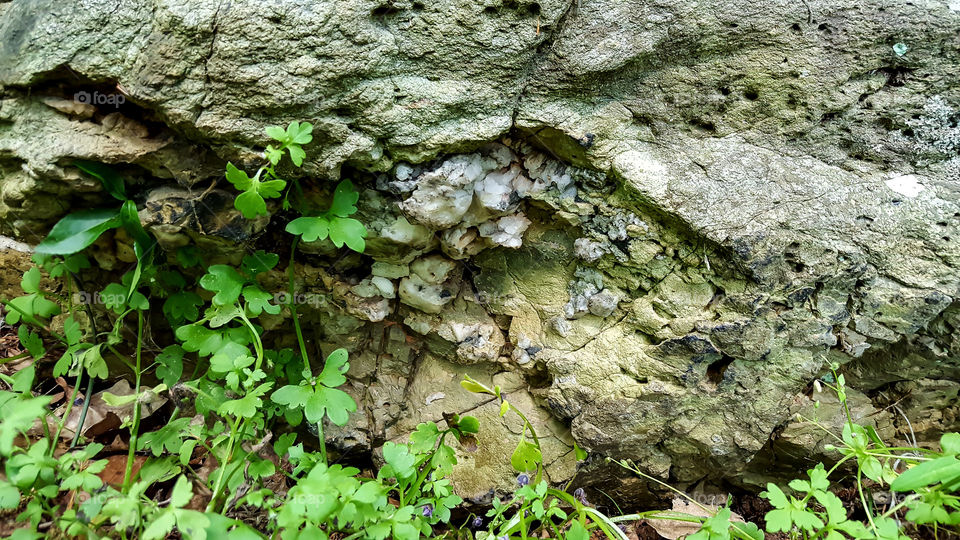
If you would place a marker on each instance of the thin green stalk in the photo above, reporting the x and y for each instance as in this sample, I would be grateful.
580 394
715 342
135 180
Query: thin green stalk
83 413
303 346
135 429
863 500
24 354
219 484
240 424
89 392
900 505
66 412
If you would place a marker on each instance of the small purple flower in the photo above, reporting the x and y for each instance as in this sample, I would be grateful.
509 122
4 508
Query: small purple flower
78 401
580 495
477 522
523 480
427 510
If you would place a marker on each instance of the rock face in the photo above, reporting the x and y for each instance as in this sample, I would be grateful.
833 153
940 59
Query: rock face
654 222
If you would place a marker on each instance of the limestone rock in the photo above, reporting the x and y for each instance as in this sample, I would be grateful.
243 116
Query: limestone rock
765 191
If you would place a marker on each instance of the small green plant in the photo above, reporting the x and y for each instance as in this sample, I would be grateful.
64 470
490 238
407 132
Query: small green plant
535 506
247 395
930 483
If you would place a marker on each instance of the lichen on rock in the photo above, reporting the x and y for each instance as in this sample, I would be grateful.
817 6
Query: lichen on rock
655 223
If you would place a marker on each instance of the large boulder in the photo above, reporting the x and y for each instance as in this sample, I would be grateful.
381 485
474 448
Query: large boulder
655 223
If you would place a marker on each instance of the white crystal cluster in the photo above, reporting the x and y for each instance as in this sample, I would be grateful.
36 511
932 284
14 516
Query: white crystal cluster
457 206
474 200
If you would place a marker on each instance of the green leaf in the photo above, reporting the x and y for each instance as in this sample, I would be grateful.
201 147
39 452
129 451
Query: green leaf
273 155
818 478
232 356
471 385
225 282
30 282
806 520
579 452
18 415
23 379
836 513
337 404
31 341
170 366
469 424
311 229
142 242
111 181
577 532
251 204
778 520
259 262
245 407
296 154
271 189
160 527
872 469
526 457
400 459
76 231
182 306
277 133
776 496
238 178
294 397
752 531
348 231
200 339
950 444
424 438
71 331
334 368
299 132
182 492
9 496
943 469
188 256
94 362
345 198
258 300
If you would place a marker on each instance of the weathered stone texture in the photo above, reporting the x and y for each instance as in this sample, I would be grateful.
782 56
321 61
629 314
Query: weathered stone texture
655 222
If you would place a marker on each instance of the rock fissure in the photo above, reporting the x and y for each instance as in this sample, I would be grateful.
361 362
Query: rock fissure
591 218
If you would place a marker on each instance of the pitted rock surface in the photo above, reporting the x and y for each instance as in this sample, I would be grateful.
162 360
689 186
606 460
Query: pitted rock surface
653 222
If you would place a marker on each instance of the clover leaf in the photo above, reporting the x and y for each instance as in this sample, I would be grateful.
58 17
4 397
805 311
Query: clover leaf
251 203
226 282
310 229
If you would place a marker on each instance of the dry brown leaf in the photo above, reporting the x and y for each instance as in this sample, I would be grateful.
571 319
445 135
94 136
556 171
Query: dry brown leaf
672 530
103 417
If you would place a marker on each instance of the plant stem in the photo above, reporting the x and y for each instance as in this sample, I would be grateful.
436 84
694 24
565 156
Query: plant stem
66 412
863 501
135 429
223 468
87 394
303 346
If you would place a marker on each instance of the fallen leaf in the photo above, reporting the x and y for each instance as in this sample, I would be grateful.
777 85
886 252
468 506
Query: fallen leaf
117 466
672 530
103 417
